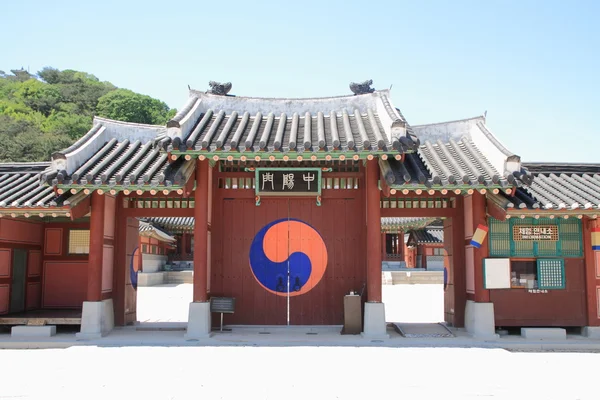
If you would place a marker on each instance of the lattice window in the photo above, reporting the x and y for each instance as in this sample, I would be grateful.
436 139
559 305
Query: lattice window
551 273
79 241
335 165
397 202
182 202
567 244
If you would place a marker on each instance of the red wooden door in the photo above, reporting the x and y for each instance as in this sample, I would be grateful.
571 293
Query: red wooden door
255 246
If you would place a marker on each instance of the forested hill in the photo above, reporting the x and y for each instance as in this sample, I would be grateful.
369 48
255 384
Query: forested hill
43 113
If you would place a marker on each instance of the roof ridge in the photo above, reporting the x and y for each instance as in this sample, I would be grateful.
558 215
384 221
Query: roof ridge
199 94
450 122
118 122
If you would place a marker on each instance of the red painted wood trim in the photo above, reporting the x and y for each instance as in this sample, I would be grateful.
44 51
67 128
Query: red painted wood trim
13 245
107 295
385 188
495 211
325 194
200 231
189 185
94 287
81 209
373 233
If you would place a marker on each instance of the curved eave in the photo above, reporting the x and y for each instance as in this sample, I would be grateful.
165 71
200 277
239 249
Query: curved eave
266 155
158 235
513 210
87 189
447 189
528 213
41 212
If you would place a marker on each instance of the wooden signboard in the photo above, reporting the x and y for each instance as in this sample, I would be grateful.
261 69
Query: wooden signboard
535 233
288 181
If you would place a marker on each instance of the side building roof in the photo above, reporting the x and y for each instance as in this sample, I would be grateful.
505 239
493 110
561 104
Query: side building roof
22 194
556 187
426 236
455 155
117 156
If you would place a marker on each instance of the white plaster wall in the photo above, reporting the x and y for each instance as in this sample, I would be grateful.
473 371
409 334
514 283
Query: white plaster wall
414 303
153 262
151 278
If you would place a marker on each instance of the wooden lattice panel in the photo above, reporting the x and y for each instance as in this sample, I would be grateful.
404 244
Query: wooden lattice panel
551 273
79 241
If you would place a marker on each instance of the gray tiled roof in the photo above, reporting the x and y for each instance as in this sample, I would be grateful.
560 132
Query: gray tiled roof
284 133
148 229
20 187
427 236
117 155
559 187
389 224
453 155
173 224
296 126
459 162
451 165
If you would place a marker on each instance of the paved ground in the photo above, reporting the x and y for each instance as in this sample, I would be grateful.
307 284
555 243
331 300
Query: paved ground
403 303
294 373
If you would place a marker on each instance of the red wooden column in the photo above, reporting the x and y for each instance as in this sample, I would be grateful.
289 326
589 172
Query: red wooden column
373 233
592 272
94 286
185 241
201 232
480 217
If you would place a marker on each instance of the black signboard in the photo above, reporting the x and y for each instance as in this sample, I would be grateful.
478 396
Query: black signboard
288 181
222 304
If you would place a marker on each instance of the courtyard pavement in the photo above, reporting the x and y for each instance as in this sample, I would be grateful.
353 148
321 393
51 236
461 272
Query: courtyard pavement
162 312
295 373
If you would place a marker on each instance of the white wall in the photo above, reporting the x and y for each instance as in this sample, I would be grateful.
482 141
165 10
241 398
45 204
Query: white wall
414 303
153 262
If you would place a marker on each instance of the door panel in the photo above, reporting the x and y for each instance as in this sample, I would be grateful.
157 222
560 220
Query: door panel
327 241
19 274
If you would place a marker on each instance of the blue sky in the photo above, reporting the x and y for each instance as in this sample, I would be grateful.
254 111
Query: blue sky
533 65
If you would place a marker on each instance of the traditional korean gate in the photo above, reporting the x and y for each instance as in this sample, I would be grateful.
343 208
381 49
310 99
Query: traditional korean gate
288 261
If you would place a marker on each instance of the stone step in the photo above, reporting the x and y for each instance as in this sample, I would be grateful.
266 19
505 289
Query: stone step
179 277
544 333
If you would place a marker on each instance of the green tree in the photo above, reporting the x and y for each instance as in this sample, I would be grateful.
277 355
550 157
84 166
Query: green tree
125 105
38 96
48 112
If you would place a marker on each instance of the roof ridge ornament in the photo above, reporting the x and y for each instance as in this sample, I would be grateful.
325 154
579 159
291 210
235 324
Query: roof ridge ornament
362 87
219 88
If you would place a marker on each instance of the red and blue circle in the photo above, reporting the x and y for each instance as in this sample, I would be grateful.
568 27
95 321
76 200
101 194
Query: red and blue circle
288 240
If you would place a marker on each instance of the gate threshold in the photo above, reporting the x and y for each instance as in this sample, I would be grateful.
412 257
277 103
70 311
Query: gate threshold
284 329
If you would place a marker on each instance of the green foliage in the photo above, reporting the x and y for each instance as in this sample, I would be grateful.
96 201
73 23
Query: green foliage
48 112
125 105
